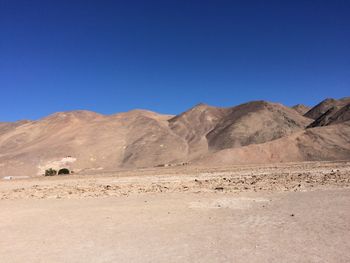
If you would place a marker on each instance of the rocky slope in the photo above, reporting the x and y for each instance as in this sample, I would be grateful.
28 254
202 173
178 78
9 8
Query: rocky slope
334 115
257 131
301 108
325 105
193 126
321 143
255 122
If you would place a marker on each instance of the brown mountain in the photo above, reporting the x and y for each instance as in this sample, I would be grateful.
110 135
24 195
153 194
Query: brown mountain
334 115
86 140
321 143
301 108
7 126
325 105
193 126
257 131
255 122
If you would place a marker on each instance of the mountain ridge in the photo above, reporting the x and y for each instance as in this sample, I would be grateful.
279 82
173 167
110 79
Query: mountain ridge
88 141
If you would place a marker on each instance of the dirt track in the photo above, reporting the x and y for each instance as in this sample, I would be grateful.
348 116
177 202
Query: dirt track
237 214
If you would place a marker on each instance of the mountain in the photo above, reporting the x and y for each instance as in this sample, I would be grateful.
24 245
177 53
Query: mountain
334 115
85 140
317 144
149 141
301 108
193 126
7 126
88 142
255 122
325 105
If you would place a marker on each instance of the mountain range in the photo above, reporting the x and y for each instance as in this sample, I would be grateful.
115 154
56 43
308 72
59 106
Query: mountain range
253 132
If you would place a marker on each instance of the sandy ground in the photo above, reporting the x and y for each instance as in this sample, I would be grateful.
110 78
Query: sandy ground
283 213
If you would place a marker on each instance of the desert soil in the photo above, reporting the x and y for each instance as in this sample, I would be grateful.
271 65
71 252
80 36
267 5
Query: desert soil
298 212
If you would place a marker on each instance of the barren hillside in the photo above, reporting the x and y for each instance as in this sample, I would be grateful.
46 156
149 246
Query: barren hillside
301 108
254 132
325 105
193 126
334 115
255 122
322 143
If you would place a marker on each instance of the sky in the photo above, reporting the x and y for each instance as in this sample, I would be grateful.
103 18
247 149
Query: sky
167 56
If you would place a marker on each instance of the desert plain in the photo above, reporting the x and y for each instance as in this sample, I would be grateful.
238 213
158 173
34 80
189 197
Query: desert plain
288 212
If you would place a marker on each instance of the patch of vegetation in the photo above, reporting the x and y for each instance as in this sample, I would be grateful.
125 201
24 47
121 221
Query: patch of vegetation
64 171
50 172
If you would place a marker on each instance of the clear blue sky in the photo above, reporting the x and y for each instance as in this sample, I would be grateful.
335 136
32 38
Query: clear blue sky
166 56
